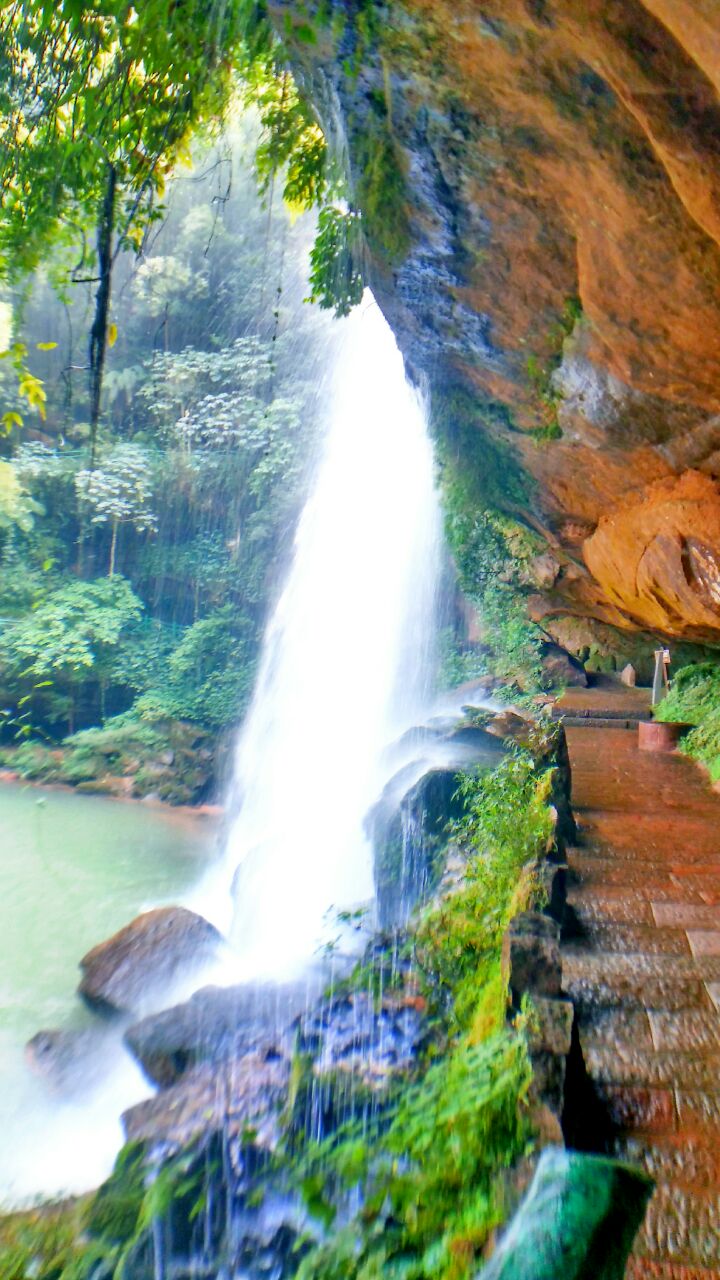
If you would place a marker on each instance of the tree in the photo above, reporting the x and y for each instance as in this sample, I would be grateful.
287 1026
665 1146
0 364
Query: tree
119 492
72 635
96 105
99 103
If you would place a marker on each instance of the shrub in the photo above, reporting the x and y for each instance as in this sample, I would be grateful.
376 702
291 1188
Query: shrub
694 698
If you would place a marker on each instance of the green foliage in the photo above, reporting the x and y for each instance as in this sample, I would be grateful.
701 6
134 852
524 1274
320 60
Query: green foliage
209 674
209 415
504 831
73 631
119 492
45 1244
431 1176
336 280
159 756
429 1162
292 143
492 554
17 509
114 1212
694 698
118 89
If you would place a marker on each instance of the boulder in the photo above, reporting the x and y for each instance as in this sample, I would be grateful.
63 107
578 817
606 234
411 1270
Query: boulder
239 1098
408 825
560 667
71 1061
215 1025
369 1038
152 954
509 724
532 954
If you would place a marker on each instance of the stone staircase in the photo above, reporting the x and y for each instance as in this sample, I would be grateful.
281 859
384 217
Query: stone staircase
641 963
606 704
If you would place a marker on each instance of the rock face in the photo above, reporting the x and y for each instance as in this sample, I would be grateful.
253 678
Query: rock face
217 1024
235 1097
549 257
154 952
658 557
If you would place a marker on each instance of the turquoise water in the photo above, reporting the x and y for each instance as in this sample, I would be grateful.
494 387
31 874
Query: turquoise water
74 869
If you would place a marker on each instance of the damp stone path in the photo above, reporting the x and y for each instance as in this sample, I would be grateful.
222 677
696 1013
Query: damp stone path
644 973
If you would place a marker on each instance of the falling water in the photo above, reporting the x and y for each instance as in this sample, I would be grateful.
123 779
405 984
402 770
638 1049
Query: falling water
346 668
346 663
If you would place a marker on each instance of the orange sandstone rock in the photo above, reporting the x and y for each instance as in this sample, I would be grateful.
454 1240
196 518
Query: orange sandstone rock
657 556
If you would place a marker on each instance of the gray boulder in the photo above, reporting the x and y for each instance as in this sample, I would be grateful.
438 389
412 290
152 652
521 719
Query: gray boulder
151 955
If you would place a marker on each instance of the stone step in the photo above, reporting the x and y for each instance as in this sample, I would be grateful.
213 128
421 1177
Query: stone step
681 1227
634 991
608 908
609 720
625 1064
607 936
656 1269
671 879
616 713
582 961
676 907
674 1159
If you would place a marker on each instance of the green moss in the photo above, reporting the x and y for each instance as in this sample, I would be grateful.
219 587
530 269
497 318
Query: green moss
42 1243
504 830
114 1212
484 488
380 188
481 469
540 372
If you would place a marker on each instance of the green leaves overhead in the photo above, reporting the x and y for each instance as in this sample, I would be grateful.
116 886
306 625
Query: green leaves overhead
84 88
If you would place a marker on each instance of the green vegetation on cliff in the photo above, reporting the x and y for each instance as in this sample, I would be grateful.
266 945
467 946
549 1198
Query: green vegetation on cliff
484 491
432 1162
694 699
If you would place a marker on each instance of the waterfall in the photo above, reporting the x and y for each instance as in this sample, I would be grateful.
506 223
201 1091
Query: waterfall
346 663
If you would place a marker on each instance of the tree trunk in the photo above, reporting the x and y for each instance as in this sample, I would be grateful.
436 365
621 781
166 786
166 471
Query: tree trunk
98 332
113 548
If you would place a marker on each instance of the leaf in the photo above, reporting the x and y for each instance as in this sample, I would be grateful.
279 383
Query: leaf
112 334
10 420
46 346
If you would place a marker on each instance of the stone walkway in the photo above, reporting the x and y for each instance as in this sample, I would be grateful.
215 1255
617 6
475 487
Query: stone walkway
644 973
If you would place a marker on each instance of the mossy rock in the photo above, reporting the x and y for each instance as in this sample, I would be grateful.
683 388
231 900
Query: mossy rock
114 1212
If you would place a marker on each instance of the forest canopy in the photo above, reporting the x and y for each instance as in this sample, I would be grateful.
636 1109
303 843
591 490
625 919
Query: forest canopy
158 395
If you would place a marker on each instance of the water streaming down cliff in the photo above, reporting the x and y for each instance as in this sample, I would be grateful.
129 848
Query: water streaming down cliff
347 662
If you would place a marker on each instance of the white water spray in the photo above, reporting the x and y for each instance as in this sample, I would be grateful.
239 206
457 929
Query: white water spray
346 662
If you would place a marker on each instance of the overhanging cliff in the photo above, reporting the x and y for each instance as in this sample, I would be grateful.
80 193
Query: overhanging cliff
540 187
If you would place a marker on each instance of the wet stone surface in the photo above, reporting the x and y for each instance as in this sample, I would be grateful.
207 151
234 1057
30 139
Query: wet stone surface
640 962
